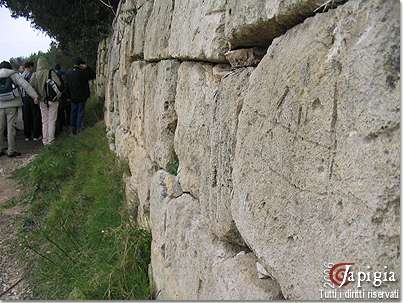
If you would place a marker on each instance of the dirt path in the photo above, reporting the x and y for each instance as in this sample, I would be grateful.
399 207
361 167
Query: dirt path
11 269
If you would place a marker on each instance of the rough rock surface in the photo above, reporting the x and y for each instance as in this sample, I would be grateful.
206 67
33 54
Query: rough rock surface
158 30
250 178
186 30
316 173
217 186
245 56
159 112
102 65
240 271
199 266
138 26
257 22
197 30
193 105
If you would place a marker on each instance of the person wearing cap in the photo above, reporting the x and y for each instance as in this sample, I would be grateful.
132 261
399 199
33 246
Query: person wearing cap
78 91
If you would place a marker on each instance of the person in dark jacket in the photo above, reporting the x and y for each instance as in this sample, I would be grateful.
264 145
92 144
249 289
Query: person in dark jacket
63 115
30 111
78 91
59 71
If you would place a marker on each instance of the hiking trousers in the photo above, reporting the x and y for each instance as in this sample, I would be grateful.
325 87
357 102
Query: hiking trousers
49 117
8 116
32 118
77 116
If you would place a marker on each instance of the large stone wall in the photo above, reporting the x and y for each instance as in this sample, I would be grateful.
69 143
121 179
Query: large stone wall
262 137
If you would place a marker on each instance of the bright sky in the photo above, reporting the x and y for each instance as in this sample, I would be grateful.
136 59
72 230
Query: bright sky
18 38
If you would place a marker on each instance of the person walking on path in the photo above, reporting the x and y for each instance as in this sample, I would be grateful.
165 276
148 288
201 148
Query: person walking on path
10 101
30 111
40 80
63 116
78 91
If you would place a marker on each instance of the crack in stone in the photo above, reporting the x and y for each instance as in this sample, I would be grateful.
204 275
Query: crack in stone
281 101
301 137
333 132
292 184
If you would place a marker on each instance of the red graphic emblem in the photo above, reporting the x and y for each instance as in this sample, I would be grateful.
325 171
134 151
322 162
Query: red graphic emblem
338 274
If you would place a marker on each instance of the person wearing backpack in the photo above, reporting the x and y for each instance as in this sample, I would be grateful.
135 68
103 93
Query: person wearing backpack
47 83
10 100
78 91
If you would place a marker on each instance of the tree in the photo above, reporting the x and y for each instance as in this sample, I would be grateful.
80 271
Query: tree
54 56
17 62
77 25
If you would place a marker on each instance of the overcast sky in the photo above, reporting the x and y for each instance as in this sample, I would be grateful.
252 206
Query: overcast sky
18 38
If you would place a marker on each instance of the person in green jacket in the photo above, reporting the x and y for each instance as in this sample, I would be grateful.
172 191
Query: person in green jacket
48 109
10 100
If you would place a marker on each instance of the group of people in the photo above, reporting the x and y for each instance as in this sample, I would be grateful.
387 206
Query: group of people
47 96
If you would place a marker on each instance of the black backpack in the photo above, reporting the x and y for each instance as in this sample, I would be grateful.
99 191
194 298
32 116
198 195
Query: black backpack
52 91
8 90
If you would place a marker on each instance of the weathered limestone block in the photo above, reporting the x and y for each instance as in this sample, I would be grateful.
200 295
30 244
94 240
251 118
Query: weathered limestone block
116 39
193 105
150 113
245 56
101 69
111 79
126 15
113 54
258 22
221 70
175 225
130 26
125 59
138 26
122 104
186 30
159 116
217 190
188 263
137 95
158 31
143 125
123 142
197 30
132 199
236 278
111 97
316 170
142 169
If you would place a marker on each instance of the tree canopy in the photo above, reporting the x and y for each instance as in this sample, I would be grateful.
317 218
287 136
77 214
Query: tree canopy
54 56
77 25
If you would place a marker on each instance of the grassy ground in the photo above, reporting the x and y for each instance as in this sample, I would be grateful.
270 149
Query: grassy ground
77 229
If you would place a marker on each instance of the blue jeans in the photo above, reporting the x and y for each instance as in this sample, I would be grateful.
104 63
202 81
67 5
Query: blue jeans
77 115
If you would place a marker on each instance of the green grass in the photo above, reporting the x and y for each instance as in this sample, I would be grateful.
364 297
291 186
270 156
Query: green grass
9 204
173 167
77 229
94 110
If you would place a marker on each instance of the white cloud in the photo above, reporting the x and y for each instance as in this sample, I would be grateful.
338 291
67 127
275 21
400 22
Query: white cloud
18 38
